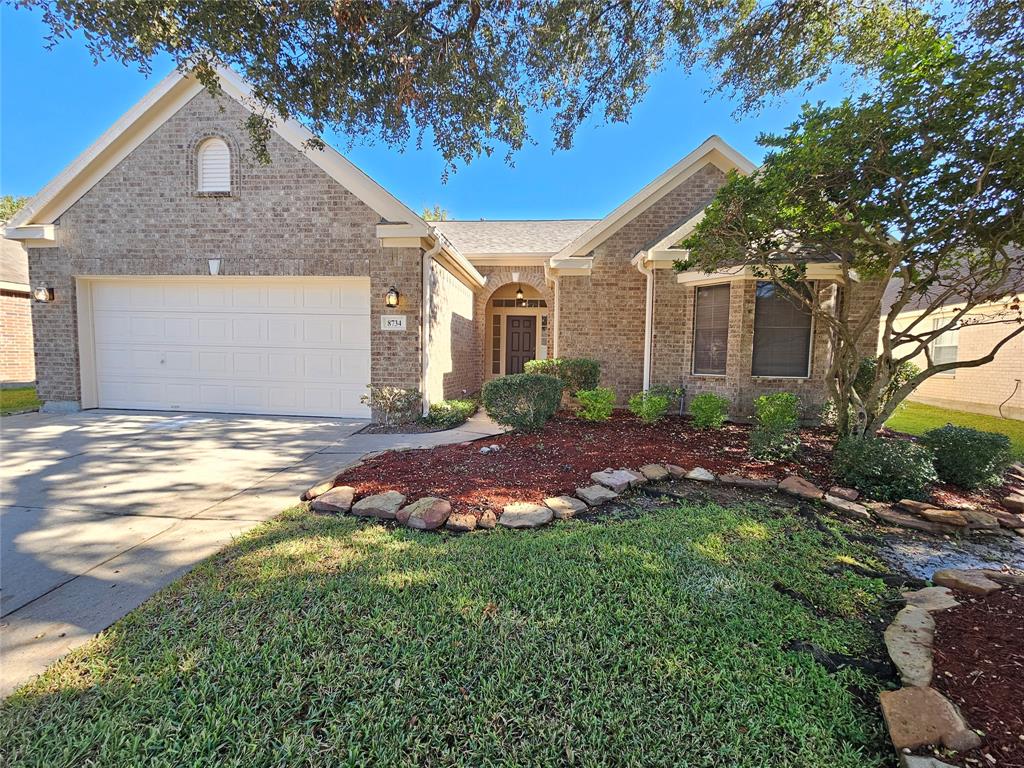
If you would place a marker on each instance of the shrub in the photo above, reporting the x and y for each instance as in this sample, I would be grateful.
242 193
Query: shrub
596 404
883 468
394 404
450 413
576 373
968 457
709 410
648 406
776 419
523 401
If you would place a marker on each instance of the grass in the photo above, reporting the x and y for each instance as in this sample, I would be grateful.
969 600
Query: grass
918 418
18 399
656 641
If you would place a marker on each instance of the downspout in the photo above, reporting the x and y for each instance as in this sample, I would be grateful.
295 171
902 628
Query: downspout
425 293
558 316
638 260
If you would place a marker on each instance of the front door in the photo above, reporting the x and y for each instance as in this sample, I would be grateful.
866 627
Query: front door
520 342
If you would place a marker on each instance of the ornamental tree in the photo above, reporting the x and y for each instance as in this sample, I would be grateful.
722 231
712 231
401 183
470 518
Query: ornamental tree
918 185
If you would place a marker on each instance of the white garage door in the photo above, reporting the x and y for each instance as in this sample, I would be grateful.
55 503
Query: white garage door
233 345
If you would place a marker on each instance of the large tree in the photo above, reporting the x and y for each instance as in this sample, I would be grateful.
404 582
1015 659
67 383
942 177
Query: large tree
919 185
464 74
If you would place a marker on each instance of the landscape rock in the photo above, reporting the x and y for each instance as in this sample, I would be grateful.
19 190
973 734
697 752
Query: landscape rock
487 520
460 522
677 472
909 643
1008 519
850 494
1002 577
944 516
921 717
318 488
795 485
523 514
565 506
700 474
917 761
748 482
1014 502
978 519
383 506
595 495
915 506
654 472
904 520
494 447
973 582
847 508
425 514
485 449
338 500
617 480
932 598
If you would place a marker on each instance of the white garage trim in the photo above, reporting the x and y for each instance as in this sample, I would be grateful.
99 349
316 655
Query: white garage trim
262 345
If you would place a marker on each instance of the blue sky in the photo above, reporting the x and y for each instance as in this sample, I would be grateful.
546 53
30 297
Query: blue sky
54 104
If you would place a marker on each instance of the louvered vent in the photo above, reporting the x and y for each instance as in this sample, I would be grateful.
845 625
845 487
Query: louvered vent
214 166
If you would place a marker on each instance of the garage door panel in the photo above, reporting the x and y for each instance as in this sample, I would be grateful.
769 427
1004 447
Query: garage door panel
292 348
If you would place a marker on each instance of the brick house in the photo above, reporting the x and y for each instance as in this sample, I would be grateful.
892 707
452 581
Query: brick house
17 366
187 276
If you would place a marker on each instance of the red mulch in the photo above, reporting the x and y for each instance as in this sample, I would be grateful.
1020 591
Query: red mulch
979 666
562 456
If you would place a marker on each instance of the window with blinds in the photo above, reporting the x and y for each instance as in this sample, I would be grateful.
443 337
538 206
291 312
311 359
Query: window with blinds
945 346
782 334
214 166
711 329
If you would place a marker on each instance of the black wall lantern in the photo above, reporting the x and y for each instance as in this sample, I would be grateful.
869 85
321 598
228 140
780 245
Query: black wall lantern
43 293
391 297
519 294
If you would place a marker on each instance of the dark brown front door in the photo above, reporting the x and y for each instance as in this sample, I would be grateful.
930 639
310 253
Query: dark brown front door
520 342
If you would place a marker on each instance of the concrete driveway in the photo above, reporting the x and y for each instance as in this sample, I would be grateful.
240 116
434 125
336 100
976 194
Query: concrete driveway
100 509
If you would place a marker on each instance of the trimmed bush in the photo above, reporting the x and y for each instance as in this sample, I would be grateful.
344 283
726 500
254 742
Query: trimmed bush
450 413
883 468
393 404
523 401
576 373
709 410
776 420
596 404
649 407
968 457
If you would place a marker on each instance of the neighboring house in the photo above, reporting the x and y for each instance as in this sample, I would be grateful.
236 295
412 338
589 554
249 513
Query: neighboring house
186 276
996 388
17 366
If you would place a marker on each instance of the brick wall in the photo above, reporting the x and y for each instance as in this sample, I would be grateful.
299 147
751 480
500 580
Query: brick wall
285 218
453 366
16 361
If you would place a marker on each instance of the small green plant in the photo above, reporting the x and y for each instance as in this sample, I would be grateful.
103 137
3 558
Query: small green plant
393 405
596 404
776 420
709 410
523 401
576 373
450 413
884 468
649 407
968 457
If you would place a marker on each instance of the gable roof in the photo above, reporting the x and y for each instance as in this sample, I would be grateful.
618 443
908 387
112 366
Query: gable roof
713 150
155 108
503 237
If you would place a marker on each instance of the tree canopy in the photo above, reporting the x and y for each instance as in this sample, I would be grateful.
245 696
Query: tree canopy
464 74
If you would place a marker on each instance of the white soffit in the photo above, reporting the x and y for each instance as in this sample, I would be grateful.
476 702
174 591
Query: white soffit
155 108
713 150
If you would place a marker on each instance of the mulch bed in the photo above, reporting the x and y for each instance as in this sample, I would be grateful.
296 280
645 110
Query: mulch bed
979 666
561 457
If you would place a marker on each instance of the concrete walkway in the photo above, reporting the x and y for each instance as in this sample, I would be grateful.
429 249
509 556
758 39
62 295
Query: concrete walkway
100 509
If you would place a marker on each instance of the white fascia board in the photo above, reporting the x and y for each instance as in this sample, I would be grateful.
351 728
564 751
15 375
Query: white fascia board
405 229
574 265
713 150
509 259
36 233
15 287
832 272
457 259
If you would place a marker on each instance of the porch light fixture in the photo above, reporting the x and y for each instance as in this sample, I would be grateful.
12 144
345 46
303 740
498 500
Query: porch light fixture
42 293
519 293
391 297
214 266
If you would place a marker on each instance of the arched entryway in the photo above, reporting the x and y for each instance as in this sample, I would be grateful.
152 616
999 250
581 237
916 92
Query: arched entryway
518 329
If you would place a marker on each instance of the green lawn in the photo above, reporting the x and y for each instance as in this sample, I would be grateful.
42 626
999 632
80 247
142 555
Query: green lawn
18 399
654 641
918 418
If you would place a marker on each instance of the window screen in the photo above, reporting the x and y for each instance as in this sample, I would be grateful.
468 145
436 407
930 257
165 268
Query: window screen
782 334
711 329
